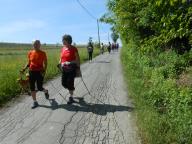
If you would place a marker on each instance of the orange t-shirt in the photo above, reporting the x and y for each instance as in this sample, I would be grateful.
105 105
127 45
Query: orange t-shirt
68 54
36 60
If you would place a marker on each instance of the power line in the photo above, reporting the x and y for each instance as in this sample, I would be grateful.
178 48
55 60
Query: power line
86 10
92 16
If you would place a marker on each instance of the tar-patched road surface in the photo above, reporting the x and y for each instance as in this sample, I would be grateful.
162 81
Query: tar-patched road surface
104 117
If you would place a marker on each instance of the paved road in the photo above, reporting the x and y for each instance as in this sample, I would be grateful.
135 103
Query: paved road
104 117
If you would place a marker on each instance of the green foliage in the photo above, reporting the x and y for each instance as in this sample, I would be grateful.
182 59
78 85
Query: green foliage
160 101
157 38
160 23
114 37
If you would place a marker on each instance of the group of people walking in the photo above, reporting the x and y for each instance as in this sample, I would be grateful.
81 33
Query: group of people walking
110 47
113 47
69 64
37 65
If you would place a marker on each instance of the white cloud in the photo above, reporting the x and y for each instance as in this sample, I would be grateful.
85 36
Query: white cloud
20 26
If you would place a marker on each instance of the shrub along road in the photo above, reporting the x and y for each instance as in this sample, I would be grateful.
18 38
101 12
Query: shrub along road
104 117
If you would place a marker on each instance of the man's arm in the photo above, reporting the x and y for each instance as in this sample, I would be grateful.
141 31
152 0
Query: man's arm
25 67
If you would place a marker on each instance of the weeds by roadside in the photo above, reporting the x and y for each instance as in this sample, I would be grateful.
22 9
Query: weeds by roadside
160 86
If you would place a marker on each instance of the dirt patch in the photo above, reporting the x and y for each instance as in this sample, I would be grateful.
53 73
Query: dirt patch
185 80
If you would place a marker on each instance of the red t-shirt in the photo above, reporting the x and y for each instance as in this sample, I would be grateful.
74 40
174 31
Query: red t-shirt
68 54
36 60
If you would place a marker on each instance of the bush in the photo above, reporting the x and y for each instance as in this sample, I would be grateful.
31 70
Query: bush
152 81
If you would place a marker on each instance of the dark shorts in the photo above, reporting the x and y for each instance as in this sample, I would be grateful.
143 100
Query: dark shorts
90 55
68 77
35 77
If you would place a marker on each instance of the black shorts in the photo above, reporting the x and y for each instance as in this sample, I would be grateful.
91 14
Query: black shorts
35 77
68 77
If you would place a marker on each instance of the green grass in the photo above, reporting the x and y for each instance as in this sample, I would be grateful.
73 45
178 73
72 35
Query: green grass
163 108
14 58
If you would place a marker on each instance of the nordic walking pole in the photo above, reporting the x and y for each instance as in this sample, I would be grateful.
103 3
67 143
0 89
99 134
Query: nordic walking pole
80 75
85 85
89 91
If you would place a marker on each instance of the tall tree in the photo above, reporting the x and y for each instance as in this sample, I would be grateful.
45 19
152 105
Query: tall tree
114 37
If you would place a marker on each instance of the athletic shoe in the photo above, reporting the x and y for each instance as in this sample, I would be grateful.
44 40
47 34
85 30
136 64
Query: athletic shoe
70 100
47 95
35 104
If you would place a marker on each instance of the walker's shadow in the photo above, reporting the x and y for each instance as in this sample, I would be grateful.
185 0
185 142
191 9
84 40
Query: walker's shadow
101 61
82 106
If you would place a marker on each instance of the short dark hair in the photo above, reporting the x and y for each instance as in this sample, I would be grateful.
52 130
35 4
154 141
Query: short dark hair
67 38
36 43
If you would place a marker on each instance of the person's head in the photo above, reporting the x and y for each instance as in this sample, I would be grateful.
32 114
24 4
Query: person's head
36 44
67 39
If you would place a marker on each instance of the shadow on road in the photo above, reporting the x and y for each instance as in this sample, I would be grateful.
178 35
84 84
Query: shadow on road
82 106
101 61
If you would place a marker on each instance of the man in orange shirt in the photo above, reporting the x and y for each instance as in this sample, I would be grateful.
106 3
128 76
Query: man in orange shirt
37 64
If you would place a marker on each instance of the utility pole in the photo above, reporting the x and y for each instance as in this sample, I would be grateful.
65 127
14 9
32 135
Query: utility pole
98 32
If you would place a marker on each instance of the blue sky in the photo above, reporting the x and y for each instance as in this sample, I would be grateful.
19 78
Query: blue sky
25 20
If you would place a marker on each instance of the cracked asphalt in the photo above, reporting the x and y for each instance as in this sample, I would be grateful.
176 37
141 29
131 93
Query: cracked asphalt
104 117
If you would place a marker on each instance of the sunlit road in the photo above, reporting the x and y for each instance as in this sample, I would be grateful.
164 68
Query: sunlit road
104 117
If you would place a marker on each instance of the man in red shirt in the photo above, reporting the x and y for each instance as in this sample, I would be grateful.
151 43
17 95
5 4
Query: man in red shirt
37 64
70 61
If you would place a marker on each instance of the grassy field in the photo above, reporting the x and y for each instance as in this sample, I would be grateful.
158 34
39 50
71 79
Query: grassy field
14 56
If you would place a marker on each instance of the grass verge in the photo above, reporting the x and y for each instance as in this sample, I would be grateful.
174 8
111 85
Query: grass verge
163 108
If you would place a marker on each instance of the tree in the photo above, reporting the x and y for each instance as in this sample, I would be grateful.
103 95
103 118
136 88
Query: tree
114 37
163 23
